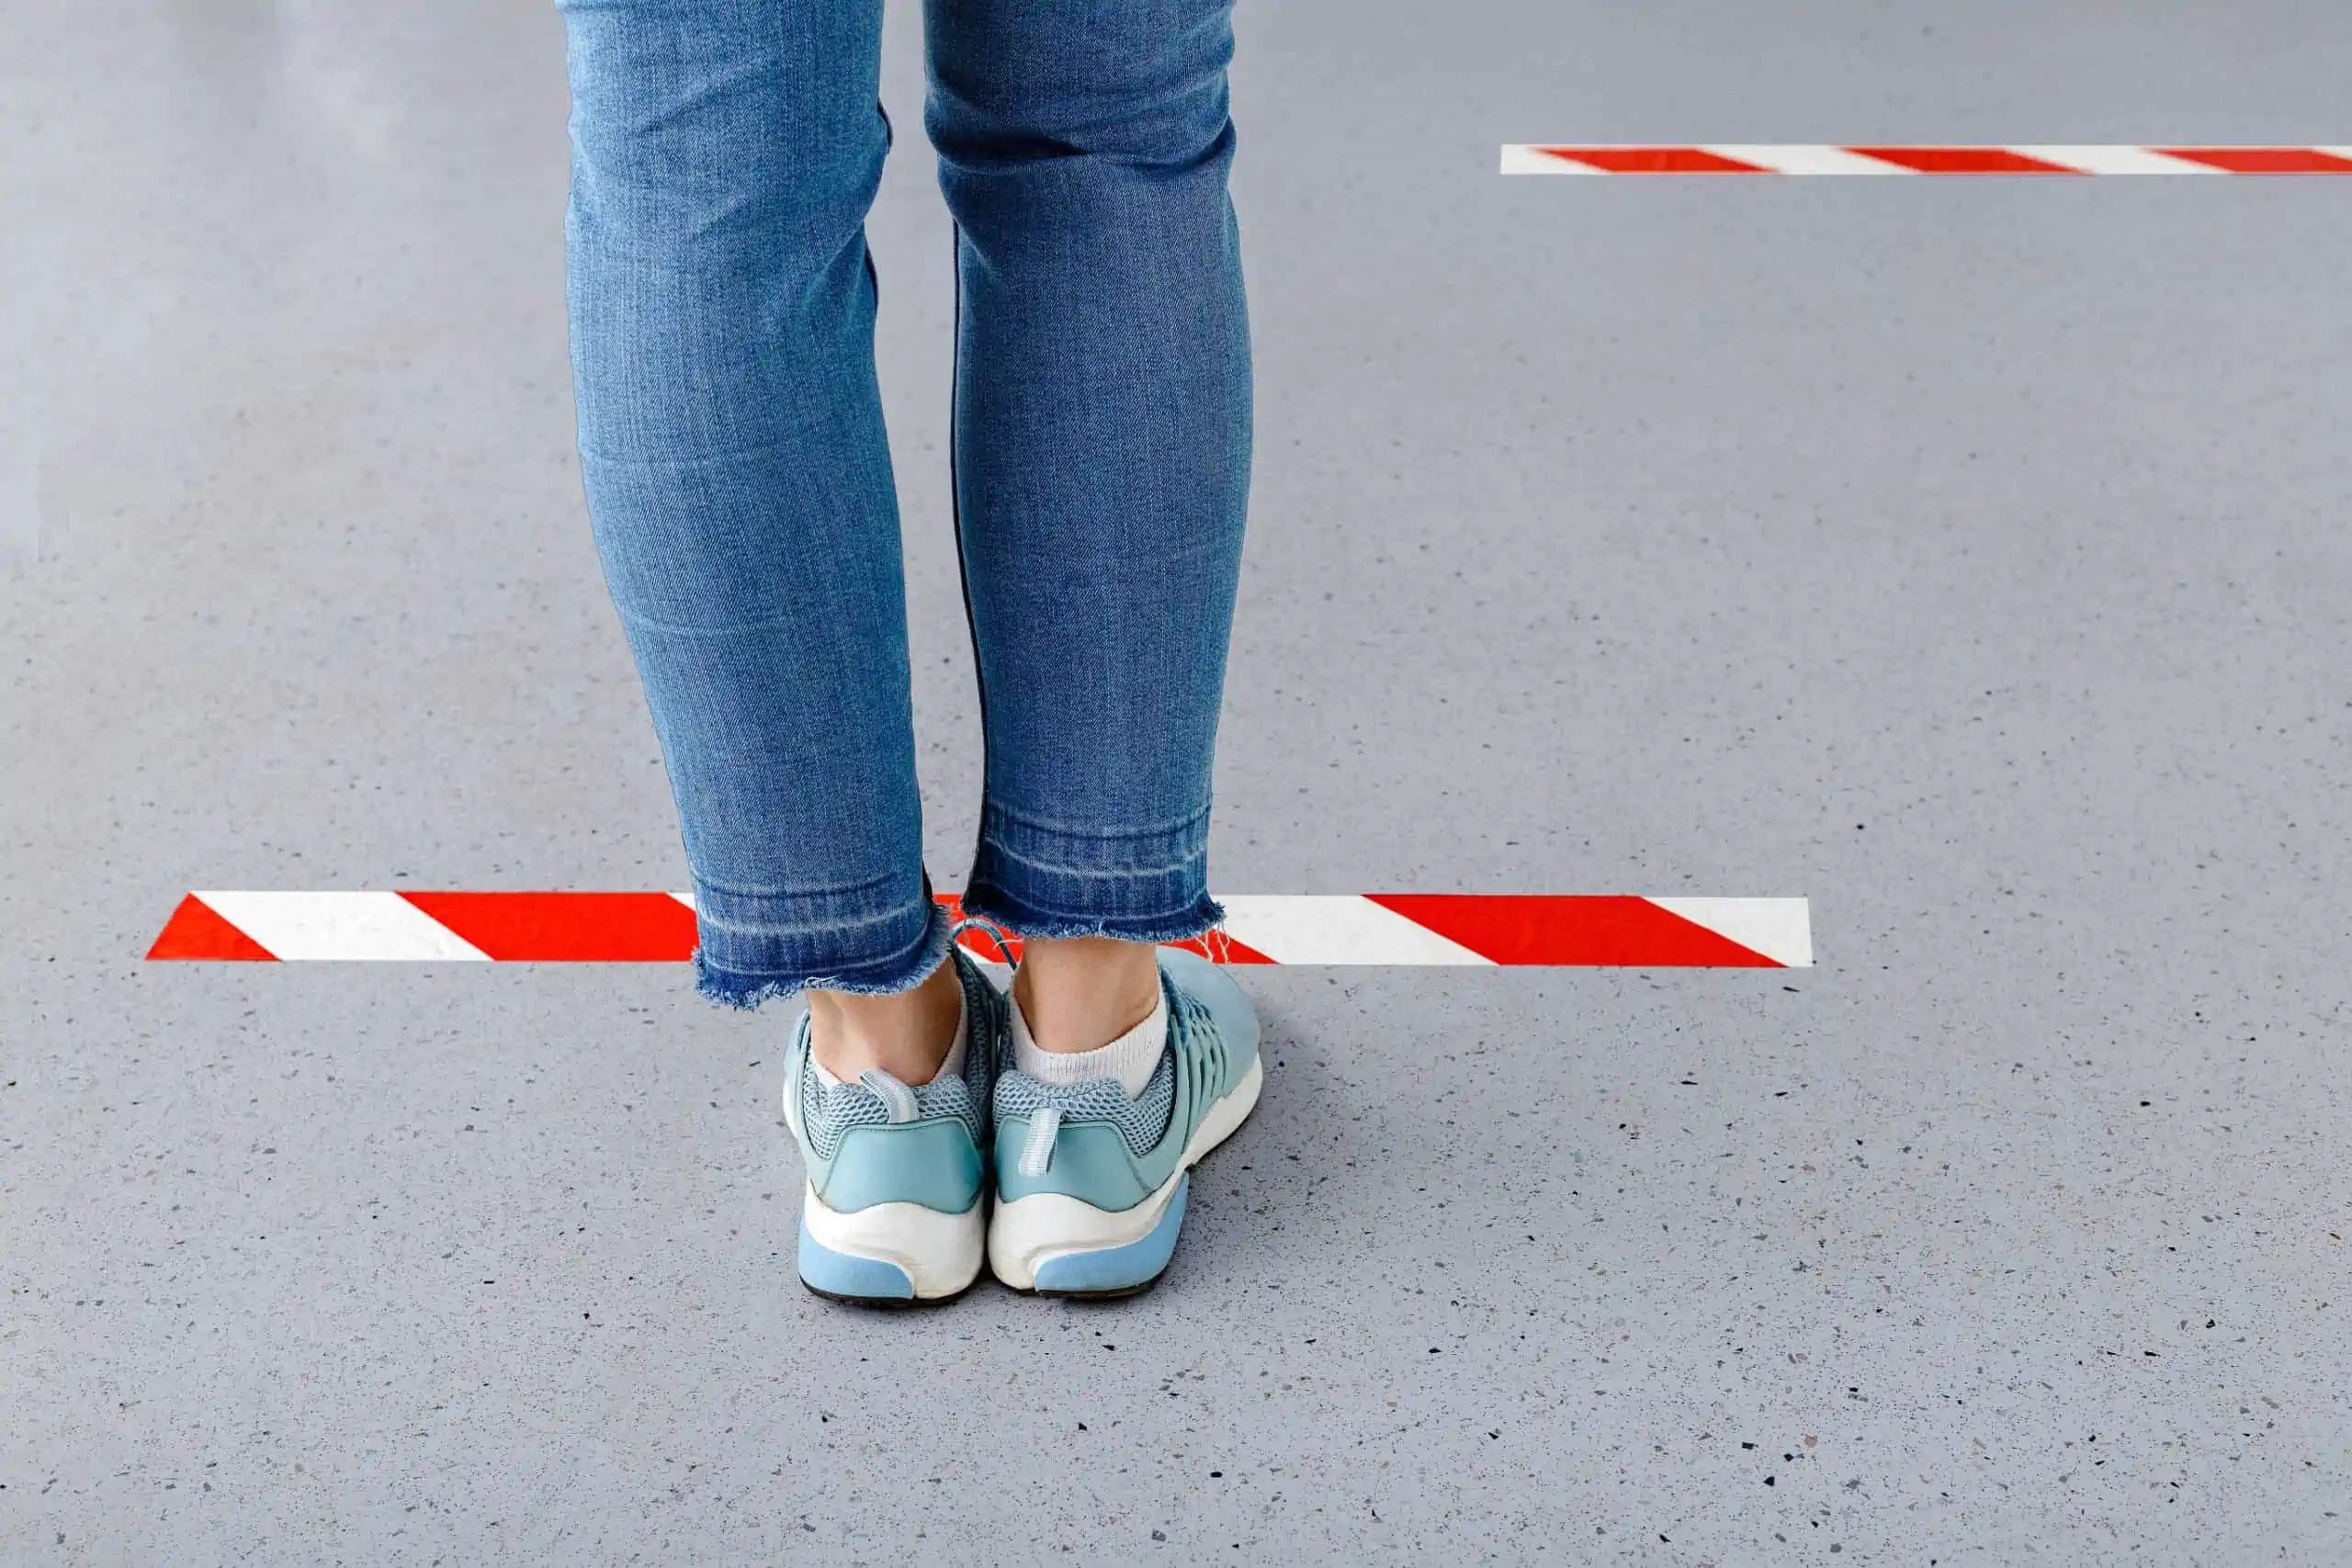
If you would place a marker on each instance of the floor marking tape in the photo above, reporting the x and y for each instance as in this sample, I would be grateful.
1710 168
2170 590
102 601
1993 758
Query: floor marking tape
1784 159
366 925
1804 158
1383 929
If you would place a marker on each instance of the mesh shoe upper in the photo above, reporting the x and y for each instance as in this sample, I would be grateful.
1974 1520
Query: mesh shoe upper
828 1111
1143 1120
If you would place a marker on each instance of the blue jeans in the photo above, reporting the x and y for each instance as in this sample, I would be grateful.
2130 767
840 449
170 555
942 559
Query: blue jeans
724 155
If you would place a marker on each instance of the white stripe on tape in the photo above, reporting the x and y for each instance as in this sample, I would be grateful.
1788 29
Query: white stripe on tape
1526 159
1780 929
384 926
1792 159
1337 930
2115 161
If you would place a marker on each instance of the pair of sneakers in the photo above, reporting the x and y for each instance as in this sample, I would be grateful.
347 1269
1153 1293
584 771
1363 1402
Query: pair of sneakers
1063 1189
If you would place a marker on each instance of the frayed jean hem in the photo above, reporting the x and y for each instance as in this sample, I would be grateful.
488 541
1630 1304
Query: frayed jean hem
1139 886
987 901
748 988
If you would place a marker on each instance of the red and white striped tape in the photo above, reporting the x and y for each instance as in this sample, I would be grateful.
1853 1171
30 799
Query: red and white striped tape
1796 158
1371 928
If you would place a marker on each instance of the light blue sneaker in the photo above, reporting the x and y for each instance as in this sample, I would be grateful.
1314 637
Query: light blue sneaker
895 1206
1090 1185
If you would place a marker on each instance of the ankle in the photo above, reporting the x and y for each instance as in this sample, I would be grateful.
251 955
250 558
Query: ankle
908 1034
1081 993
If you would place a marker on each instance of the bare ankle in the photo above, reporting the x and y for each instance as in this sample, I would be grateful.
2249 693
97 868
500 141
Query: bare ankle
906 1033
1081 993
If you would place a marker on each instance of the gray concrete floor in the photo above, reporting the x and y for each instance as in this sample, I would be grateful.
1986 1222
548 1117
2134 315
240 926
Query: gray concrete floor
1969 557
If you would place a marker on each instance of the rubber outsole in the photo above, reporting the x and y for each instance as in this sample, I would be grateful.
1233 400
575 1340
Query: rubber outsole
1118 1270
867 1281
847 1278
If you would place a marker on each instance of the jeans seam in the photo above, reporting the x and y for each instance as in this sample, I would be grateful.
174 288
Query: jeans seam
1106 836
1082 874
956 489
798 930
885 960
674 628
705 886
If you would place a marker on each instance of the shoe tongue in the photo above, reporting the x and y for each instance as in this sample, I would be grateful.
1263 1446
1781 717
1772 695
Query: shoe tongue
896 1097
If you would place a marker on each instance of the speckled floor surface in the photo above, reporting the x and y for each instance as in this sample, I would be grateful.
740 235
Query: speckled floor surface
1970 557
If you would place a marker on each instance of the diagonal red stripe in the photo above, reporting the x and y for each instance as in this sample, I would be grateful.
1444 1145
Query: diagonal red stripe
1653 160
1963 161
567 928
1568 929
2263 159
197 930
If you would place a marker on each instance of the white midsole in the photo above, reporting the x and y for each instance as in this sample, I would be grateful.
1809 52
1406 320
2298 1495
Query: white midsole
941 1252
1029 1231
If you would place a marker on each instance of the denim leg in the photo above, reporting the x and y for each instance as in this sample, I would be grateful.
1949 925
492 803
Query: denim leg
724 155
1101 443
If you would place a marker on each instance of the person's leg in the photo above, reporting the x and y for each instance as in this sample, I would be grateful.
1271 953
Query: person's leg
1102 447
725 154
906 1034
1077 992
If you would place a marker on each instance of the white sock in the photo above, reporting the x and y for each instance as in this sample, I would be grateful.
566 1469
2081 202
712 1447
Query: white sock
1132 1058
950 1068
